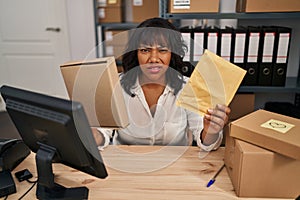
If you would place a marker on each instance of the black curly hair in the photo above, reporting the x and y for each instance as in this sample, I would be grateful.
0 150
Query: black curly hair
154 31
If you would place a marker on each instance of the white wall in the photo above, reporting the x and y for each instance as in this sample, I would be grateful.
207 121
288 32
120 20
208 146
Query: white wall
81 29
80 14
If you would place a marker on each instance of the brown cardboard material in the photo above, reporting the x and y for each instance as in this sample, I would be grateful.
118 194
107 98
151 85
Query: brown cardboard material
115 43
267 5
116 51
116 37
95 83
195 6
241 105
110 3
110 14
138 11
248 128
257 172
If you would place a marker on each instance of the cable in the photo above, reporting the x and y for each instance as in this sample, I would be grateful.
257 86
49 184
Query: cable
34 183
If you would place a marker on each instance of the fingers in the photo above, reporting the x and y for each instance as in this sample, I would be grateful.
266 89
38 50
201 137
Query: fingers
215 119
218 115
99 139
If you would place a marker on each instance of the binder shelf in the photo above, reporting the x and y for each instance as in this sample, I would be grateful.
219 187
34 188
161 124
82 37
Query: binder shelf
291 86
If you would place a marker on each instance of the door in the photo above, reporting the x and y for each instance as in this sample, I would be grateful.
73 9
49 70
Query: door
33 43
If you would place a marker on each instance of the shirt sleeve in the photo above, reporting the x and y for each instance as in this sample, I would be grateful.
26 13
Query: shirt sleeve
212 146
107 134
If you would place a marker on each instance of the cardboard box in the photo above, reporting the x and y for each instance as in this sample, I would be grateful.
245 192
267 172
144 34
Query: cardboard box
109 3
116 37
96 85
194 6
115 43
110 14
257 172
241 105
275 132
267 5
140 10
116 51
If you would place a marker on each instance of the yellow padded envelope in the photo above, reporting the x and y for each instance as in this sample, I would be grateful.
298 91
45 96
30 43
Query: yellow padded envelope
213 81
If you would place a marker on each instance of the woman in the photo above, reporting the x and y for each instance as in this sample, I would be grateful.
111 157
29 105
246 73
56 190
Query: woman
152 82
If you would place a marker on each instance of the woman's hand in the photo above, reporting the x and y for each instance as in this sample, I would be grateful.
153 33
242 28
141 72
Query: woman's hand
214 120
98 136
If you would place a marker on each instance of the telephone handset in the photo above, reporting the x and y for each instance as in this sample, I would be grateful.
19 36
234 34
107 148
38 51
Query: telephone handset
12 153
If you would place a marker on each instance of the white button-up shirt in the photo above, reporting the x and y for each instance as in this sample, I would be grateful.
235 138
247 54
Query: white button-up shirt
170 124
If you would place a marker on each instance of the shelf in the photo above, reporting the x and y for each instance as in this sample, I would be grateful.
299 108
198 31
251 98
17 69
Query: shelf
281 15
118 26
291 86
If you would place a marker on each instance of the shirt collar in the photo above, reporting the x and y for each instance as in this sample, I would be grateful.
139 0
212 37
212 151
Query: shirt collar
137 89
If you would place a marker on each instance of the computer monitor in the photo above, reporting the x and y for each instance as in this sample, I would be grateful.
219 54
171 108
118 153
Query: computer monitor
57 130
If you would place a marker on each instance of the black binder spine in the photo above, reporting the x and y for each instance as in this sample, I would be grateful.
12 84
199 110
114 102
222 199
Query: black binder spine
187 34
212 39
251 56
267 49
239 43
280 60
225 43
199 43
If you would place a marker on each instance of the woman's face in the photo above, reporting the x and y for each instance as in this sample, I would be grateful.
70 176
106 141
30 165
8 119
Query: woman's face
154 61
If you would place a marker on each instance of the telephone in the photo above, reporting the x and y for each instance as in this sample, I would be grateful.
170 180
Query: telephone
12 153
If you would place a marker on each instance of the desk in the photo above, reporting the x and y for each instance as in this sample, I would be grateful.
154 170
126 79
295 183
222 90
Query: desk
184 178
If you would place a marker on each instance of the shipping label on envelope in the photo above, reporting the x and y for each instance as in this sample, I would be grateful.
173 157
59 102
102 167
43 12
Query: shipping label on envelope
277 125
213 81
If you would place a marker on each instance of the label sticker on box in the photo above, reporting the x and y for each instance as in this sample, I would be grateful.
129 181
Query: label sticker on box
109 36
101 2
101 13
181 4
112 1
277 125
137 2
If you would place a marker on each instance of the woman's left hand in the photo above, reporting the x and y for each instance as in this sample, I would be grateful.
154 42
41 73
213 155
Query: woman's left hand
215 119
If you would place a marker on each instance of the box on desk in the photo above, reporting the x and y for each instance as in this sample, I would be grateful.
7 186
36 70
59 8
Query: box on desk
272 131
257 172
95 83
262 155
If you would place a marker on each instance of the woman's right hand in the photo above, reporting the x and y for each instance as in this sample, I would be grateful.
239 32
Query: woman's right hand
98 136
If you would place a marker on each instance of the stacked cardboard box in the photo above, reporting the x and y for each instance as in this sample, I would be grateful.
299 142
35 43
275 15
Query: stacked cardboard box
267 5
194 6
262 155
137 11
115 43
110 11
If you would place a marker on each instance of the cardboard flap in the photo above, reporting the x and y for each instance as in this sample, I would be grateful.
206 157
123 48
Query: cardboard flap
251 128
96 85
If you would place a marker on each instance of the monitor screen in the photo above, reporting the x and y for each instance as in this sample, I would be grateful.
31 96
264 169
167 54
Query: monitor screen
55 128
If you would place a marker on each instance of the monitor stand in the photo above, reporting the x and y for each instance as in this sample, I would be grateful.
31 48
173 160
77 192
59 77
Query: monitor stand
46 187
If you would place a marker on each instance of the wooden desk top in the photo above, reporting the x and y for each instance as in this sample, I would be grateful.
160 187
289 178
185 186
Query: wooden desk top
145 172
